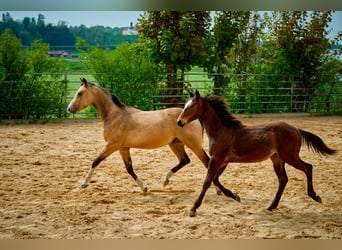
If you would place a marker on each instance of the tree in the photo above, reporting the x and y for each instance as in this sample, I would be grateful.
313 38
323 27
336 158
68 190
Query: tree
13 68
12 62
25 91
62 36
301 40
243 54
177 40
127 72
232 45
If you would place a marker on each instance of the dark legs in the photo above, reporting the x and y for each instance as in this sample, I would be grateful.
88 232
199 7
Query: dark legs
307 169
224 190
178 149
215 169
279 168
126 157
109 149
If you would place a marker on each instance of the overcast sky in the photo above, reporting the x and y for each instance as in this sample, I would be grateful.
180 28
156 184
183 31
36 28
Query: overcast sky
115 18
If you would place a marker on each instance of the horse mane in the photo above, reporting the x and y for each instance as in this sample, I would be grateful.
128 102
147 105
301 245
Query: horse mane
115 99
222 110
117 102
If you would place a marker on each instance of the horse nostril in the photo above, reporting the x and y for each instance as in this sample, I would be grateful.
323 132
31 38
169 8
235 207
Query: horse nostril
69 110
180 123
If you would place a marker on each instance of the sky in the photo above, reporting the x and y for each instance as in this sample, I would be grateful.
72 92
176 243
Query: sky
116 18
88 18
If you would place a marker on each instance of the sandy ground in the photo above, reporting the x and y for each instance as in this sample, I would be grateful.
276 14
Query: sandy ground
42 167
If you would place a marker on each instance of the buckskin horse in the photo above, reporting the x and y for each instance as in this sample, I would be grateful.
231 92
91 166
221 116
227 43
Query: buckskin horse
126 127
232 141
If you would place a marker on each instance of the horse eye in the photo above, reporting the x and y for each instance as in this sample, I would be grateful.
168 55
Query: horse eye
79 94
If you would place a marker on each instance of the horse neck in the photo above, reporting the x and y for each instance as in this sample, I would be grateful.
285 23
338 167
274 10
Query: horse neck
103 103
212 123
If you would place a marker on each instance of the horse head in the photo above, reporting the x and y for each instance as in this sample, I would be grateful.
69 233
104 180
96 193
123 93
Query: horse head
82 99
192 109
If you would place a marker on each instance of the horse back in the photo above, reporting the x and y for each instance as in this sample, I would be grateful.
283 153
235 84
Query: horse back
254 143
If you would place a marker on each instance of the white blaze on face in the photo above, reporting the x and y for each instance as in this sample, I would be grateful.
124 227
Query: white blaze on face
187 104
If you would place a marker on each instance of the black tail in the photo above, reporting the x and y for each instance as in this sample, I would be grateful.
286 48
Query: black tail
315 143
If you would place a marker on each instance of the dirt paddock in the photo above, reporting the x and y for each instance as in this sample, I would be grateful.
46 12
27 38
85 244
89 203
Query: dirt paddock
42 167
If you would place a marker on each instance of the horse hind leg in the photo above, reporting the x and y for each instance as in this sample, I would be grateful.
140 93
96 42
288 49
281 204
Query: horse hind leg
279 168
126 157
307 169
178 149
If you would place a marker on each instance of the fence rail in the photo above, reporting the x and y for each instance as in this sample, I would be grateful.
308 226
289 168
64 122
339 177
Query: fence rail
244 93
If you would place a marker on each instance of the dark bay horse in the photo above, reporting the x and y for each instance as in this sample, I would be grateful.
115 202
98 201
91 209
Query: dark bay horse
126 127
232 141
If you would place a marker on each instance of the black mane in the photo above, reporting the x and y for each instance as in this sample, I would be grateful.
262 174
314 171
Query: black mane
117 102
221 108
115 99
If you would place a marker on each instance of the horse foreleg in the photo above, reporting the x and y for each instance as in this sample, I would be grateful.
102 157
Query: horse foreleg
213 168
220 188
109 149
126 157
178 149
202 155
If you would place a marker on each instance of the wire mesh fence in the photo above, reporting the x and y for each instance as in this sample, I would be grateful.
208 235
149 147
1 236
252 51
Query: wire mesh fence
245 93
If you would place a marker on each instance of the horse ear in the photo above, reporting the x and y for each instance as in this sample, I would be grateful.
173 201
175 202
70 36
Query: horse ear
84 82
190 93
197 93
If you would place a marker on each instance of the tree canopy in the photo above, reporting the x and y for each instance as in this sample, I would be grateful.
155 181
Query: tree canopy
62 36
282 49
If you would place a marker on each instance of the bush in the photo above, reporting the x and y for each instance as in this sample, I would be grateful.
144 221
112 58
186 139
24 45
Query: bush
29 85
127 72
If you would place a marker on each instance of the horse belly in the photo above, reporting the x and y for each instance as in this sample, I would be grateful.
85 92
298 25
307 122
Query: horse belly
255 149
147 140
253 156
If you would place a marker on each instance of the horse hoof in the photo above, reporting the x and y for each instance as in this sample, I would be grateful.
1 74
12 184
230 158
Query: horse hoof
270 208
237 198
166 182
145 190
192 213
84 185
318 199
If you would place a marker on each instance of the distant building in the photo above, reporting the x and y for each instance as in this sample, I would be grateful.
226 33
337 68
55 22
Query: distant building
129 31
61 54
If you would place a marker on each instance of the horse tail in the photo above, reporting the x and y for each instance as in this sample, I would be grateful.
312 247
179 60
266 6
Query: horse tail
315 143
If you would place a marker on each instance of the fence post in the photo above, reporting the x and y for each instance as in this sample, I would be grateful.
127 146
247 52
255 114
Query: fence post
65 91
292 91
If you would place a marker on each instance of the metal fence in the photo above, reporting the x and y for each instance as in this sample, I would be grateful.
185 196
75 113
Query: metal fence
251 93
245 93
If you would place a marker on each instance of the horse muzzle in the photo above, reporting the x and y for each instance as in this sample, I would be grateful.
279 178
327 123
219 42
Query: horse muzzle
71 110
180 123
